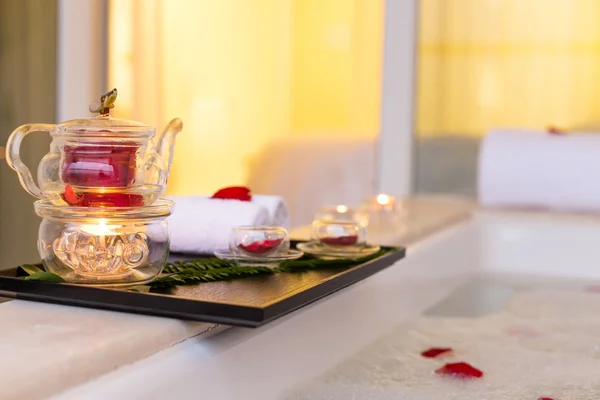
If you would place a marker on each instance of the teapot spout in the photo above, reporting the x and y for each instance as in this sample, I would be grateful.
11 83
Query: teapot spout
166 142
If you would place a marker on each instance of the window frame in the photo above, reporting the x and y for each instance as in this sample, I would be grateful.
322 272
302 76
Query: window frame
396 155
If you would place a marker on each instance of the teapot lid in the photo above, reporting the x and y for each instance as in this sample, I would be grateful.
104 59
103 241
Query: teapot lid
103 122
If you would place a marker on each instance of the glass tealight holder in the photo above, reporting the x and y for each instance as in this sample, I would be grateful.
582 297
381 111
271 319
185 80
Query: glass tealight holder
112 246
387 219
259 241
343 212
339 233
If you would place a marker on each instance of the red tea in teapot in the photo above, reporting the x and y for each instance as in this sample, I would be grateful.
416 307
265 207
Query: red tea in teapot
99 165
86 198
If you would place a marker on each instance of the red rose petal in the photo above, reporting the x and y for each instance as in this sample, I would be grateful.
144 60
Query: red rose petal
435 351
340 240
241 193
70 197
592 289
555 131
545 398
459 370
261 247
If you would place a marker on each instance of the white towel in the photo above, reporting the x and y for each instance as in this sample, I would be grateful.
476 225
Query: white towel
277 208
275 205
200 225
530 169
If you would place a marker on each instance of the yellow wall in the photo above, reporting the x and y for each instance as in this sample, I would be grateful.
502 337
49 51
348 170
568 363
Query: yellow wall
230 85
242 73
336 67
490 63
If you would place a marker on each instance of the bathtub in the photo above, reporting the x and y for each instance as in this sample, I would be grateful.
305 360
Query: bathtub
455 272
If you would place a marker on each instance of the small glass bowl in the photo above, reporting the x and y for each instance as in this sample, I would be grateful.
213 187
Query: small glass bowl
259 241
339 233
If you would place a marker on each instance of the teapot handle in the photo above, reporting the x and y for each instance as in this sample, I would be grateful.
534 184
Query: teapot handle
13 157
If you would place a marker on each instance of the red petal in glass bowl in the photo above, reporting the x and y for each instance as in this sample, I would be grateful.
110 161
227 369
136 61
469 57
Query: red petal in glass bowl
261 246
241 193
340 240
436 351
459 370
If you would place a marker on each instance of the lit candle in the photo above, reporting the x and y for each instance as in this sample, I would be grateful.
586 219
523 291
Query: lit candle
100 229
342 209
383 199
385 202
340 212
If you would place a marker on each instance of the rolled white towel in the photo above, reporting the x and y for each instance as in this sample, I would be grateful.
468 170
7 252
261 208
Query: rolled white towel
276 206
202 226
530 169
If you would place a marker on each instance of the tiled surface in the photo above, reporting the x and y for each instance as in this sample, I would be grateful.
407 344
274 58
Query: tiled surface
64 346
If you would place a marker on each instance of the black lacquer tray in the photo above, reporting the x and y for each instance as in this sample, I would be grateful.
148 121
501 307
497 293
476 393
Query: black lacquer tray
249 302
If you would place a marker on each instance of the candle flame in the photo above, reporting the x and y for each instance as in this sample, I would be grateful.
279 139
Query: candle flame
99 229
383 199
341 209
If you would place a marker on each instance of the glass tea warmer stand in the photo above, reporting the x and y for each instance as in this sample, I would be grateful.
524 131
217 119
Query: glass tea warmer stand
98 190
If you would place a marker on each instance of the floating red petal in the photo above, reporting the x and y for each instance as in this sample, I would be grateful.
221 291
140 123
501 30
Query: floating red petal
459 370
436 351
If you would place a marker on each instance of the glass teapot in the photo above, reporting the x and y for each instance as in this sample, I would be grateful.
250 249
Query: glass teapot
98 162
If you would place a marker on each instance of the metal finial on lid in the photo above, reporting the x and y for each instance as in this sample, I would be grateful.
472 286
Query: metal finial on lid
107 101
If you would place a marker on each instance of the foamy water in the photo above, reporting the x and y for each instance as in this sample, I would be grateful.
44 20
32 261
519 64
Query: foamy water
544 343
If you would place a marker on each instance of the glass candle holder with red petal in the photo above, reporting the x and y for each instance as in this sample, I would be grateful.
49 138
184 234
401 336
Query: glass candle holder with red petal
259 241
339 233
